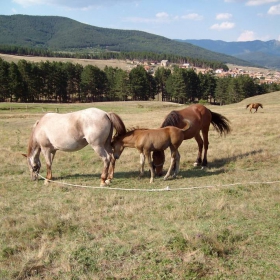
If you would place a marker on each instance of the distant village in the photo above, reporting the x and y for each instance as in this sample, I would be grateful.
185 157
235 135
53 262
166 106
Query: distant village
264 75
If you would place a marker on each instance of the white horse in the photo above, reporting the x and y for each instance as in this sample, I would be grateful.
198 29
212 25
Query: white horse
72 132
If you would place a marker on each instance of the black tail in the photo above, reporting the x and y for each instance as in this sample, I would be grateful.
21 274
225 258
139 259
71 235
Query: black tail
220 123
172 119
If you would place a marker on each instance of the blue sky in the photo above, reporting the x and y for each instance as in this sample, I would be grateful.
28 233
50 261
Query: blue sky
227 20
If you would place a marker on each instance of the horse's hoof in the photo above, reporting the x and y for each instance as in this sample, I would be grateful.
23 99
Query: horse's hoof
108 182
151 181
46 182
203 167
195 164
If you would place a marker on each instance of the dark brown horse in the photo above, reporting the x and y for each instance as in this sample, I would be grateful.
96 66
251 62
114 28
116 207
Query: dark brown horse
254 106
199 118
148 140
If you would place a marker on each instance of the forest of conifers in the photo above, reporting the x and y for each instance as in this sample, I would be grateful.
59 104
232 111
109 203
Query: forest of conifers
67 82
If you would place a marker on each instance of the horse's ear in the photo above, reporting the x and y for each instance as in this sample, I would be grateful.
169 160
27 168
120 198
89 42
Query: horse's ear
25 155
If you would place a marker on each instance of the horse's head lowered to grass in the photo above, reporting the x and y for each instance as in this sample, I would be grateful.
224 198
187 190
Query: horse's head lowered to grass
71 132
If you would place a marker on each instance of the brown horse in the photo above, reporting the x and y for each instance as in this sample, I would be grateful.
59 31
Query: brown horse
200 119
254 106
148 140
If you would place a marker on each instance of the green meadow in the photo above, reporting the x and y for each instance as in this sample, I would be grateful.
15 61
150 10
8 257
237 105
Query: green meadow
221 222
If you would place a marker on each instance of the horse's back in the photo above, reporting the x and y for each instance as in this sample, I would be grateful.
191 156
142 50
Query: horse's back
199 118
73 131
160 138
73 122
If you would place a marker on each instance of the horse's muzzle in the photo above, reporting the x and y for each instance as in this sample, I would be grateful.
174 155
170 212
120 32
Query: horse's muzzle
34 176
34 173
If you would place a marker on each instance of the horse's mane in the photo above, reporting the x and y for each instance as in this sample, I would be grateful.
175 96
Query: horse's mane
248 105
172 119
31 139
128 130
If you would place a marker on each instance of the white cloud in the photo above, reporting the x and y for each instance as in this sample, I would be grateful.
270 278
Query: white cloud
223 16
223 26
192 16
260 2
252 2
274 10
26 3
71 4
162 15
140 20
247 35
159 17
233 1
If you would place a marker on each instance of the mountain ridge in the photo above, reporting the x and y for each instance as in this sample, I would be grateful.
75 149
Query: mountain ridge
64 34
263 53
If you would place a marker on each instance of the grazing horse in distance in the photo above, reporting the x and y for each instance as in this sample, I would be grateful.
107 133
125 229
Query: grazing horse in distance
148 140
254 106
200 118
71 132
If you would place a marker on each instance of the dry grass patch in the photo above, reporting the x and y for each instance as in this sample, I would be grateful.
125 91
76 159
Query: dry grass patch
95 62
225 231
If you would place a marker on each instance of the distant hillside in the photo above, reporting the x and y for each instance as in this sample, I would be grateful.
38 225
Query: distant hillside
261 53
60 33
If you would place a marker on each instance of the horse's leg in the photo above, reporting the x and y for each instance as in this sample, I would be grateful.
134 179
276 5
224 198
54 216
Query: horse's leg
177 164
148 155
200 148
52 158
49 159
52 155
142 163
106 162
111 170
172 163
206 145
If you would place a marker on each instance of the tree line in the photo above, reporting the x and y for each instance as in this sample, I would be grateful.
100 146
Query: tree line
68 82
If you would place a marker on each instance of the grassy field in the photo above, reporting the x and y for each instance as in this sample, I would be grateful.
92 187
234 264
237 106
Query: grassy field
218 223
96 62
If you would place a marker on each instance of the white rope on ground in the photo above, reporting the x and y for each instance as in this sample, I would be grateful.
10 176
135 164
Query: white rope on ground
157 190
